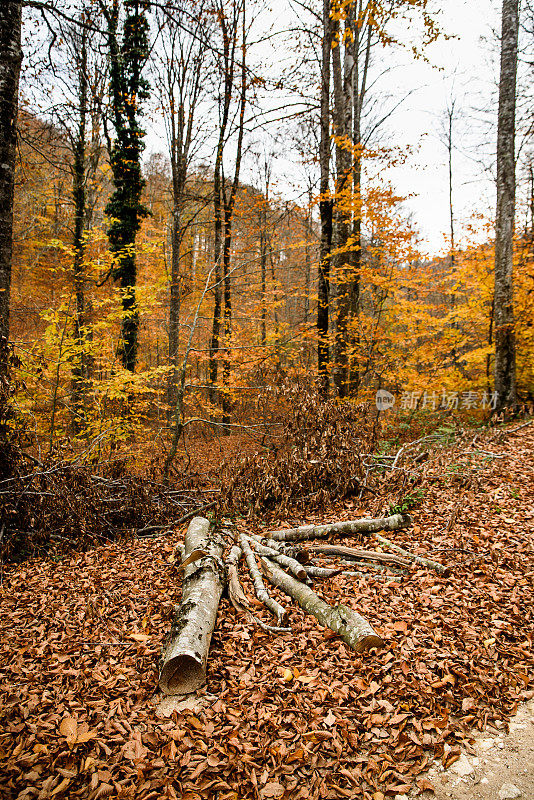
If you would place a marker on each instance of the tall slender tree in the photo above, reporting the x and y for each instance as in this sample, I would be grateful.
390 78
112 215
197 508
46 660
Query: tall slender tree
504 368
10 61
325 208
180 70
231 69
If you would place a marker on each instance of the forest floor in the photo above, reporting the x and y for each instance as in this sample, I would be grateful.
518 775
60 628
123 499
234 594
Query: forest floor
298 714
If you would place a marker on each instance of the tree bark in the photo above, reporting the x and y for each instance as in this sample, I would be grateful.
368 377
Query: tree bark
348 624
185 653
504 369
325 209
259 587
10 61
348 528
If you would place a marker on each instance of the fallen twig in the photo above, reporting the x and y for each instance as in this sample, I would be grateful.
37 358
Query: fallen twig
425 562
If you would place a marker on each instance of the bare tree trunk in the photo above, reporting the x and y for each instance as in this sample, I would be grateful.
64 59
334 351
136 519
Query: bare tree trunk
325 209
80 371
10 61
504 370
263 267
342 227
180 84
358 96
307 259
229 208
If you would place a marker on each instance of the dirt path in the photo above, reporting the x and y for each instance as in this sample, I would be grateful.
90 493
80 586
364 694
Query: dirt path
499 766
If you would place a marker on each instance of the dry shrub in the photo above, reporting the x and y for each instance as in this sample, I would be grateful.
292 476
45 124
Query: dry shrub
315 457
59 504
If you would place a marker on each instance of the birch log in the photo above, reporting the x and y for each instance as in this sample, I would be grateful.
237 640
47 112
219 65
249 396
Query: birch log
185 653
348 624
425 562
297 552
305 532
274 554
259 587
236 594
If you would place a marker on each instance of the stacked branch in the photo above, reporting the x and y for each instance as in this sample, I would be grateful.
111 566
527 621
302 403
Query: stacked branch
289 568
348 624
424 562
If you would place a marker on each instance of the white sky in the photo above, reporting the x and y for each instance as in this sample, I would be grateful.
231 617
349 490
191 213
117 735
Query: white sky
469 65
464 66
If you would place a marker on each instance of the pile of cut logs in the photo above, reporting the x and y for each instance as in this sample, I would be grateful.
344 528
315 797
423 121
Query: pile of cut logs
283 558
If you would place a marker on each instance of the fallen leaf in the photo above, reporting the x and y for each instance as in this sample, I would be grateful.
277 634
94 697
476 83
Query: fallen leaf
272 789
60 787
69 729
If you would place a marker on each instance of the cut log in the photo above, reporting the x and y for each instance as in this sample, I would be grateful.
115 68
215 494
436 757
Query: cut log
300 554
425 562
185 653
285 561
306 532
348 624
259 587
360 555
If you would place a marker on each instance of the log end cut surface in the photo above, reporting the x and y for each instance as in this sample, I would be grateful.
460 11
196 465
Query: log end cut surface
182 674
372 640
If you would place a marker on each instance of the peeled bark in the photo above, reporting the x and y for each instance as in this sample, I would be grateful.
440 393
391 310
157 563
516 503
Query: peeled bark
305 532
185 653
348 624
425 562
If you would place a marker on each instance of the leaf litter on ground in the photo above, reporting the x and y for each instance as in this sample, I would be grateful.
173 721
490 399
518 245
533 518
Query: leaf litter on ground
296 715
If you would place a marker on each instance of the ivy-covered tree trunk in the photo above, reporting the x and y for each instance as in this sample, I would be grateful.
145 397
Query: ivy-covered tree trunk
10 60
127 55
505 384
